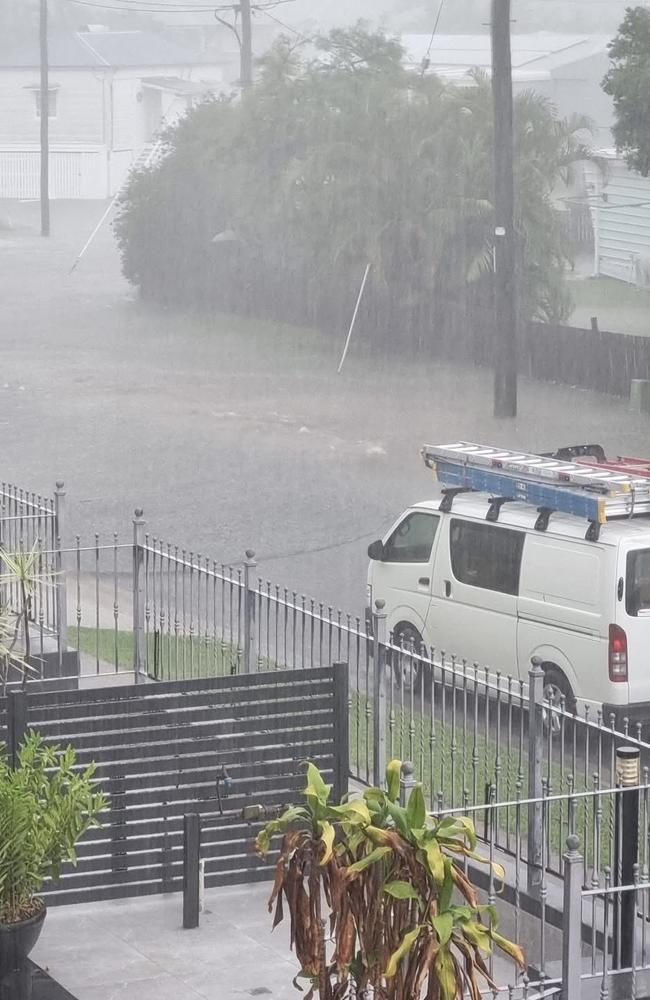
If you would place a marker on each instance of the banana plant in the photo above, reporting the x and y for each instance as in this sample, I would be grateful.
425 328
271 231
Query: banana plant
405 919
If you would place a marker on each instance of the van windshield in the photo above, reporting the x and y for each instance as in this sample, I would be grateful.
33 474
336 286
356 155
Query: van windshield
637 588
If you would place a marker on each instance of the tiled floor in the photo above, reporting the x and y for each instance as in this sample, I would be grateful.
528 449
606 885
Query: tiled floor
136 949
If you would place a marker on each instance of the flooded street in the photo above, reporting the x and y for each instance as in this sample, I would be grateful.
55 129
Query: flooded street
234 433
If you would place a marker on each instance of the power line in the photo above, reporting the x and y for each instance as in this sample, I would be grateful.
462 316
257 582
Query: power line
283 24
159 6
425 61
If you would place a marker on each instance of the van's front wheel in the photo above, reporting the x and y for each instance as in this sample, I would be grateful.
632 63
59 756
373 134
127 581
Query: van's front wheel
557 692
406 663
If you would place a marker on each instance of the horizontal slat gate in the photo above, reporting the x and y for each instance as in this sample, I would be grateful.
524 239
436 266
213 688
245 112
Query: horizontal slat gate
158 749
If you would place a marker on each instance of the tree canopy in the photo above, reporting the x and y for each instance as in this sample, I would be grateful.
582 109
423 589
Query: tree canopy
628 82
339 157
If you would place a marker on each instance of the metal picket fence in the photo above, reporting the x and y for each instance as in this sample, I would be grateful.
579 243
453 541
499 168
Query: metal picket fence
542 783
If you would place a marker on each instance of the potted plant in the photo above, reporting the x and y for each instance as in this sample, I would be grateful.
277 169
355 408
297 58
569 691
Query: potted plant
46 804
404 916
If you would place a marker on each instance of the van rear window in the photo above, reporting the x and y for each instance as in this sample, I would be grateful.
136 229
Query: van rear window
637 588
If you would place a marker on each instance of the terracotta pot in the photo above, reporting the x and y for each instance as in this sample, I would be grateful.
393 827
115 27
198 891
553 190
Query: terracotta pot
17 940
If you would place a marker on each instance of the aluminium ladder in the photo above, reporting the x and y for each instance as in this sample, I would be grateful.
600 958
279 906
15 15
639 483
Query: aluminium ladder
595 492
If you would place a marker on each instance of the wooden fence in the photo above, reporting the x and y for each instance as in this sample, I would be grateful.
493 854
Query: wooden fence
206 746
589 359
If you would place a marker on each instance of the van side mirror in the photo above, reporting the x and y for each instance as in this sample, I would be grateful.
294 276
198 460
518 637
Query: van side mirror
376 551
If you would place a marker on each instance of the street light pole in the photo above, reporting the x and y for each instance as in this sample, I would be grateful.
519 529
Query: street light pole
44 103
505 375
246 63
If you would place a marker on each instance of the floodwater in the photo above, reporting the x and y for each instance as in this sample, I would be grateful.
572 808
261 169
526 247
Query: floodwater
233 434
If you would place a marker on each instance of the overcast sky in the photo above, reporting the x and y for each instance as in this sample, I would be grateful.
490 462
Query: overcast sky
469 16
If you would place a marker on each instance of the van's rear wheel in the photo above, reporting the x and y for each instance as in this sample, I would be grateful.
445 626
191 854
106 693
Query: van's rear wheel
557 692
406 663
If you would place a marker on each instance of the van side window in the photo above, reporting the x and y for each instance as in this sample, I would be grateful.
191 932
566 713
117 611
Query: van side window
637 589
412 540
483 555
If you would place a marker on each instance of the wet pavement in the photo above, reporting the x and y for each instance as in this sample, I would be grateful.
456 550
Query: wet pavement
233 433
137 949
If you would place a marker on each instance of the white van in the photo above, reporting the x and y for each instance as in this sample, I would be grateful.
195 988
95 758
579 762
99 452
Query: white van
500 592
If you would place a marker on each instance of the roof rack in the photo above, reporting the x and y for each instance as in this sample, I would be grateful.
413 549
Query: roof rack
595 492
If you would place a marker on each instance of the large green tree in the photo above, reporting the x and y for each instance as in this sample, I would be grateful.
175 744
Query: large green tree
628 82
334 160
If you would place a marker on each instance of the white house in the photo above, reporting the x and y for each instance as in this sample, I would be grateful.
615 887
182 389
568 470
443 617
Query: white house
110 92
619 199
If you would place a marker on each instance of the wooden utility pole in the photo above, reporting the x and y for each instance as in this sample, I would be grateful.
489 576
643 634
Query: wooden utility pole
246 62
505 375
44 101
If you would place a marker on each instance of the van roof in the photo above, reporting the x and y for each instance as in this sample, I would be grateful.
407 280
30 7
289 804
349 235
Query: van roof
517 514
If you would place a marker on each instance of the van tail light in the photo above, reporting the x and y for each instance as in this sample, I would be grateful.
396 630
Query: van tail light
617 653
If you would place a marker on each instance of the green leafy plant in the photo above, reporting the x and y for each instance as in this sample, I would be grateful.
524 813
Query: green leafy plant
23 573
628 83
46 804
404 916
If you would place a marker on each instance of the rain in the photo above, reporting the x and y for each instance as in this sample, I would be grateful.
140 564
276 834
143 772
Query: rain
255 256
220 410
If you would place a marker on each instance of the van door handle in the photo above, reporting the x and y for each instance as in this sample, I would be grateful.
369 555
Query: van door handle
424 581
447 588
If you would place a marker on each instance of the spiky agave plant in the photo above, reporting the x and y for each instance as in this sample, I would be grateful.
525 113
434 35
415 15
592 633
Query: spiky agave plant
404 917
22 569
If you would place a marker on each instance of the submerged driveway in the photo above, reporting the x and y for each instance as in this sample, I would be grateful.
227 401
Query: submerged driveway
231 433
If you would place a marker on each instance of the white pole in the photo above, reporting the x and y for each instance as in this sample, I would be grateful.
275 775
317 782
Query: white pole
95 231
354 318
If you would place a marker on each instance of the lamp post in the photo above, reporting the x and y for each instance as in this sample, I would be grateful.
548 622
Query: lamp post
626 853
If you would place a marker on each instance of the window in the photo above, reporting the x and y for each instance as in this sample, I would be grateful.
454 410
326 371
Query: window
51 103
637 590
483 555
412 540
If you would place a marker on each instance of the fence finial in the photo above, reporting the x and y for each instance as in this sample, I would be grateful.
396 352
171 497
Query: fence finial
573 844
407 781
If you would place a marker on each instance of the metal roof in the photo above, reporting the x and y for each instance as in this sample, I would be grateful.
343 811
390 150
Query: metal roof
92 49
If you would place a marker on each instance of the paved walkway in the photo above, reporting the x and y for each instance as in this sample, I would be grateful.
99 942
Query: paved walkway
136 949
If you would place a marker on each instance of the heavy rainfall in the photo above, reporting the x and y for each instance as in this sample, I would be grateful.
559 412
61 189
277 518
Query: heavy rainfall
203 386
255 256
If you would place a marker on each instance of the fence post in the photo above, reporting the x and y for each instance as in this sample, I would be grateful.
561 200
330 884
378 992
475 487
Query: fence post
626 853
535 755
572 920
250 607
191 876
379 699
406 782
60 587
16 723
341 730
138 596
